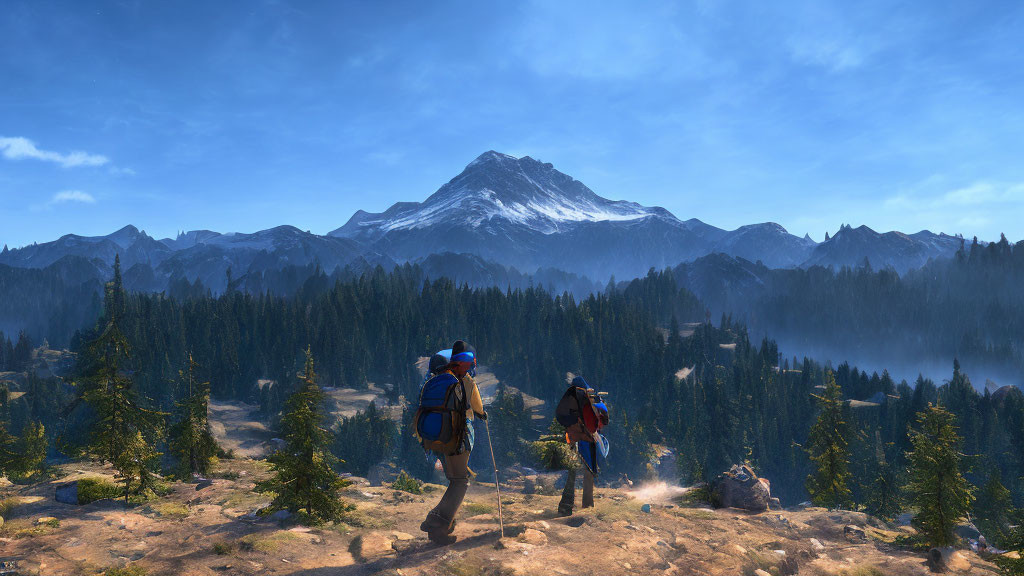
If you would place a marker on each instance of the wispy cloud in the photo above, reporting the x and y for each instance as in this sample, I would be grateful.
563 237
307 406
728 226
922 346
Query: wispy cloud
18 148
67 196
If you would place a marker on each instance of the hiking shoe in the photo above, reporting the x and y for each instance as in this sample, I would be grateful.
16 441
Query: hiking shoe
441 539
428 527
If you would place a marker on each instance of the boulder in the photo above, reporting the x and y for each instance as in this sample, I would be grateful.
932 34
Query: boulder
967 531
534 537
741 488
67 493
775 503
854 532
372 545
281 516
943 559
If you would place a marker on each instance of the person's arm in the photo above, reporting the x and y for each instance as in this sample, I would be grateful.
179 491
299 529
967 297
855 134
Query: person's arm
476 404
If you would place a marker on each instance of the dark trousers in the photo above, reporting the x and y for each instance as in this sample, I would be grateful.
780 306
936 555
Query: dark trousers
442 518
569 492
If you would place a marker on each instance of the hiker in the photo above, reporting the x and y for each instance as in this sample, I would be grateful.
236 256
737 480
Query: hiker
583 414
449 400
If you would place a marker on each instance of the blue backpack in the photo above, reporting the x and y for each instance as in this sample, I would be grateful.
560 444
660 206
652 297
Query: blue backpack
441 416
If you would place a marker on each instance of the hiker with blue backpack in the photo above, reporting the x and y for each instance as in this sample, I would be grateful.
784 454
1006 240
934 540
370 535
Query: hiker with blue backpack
583 413
449 400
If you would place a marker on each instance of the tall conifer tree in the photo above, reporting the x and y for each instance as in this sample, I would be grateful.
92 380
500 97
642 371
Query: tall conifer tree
304 477
829 450
123 432
192 443
941 494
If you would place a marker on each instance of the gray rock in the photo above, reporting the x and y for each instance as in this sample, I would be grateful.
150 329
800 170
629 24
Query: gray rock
529 485
775 504
67 493
741 488
854 532
967 531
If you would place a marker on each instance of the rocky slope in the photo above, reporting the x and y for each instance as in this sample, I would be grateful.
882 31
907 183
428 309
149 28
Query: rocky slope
211 529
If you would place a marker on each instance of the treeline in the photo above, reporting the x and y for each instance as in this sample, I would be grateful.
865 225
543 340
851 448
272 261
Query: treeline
373 328
17 355
50 303
970 307
736 403
713 396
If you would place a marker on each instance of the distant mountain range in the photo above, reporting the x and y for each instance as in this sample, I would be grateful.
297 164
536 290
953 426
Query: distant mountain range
516 216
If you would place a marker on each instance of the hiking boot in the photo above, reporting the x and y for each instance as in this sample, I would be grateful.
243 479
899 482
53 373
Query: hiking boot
441 539
430 525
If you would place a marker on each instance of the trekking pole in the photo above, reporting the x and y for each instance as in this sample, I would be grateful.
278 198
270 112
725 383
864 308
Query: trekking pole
497 485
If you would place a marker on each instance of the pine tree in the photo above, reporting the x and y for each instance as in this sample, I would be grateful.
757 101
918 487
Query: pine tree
123 432
8 450
829 486
365 439
937 487
304 477
993 510
31 452
884 499
192 443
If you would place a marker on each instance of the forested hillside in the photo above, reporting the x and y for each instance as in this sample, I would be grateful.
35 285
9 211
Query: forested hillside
737 403
970 307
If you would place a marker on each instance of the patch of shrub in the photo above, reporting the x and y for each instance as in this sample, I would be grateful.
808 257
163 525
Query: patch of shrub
93 489
6 505
407 483
223 548
130 570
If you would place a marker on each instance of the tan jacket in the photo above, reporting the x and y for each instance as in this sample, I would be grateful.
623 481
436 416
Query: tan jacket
476 404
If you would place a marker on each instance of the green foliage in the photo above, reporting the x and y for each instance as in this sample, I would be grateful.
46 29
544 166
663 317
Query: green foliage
407 483
510 424
9 457
942 495
129 570
223 548
123 432
633 451
993 510
827 446
885 499
93 489
192 443
30 461
304 477
365 439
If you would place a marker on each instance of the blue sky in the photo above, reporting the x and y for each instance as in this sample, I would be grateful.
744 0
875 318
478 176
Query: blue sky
239 116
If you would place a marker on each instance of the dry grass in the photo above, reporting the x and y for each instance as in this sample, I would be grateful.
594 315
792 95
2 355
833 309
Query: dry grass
172 510
267 543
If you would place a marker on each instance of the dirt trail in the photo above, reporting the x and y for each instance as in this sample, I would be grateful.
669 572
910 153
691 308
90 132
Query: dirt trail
235 428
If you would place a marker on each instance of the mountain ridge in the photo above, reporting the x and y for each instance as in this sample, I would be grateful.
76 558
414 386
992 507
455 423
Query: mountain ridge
516 212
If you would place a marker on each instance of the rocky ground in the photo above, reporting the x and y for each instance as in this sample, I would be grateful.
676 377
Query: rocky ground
198 530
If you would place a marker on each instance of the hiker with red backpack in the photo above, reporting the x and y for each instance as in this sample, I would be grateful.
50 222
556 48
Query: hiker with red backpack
584 414
449 400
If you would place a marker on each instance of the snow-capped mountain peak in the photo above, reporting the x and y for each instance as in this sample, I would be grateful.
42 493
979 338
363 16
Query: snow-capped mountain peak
496 190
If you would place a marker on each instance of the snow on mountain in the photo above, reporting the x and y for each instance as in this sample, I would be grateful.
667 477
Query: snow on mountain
511 212
523 212
498 187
